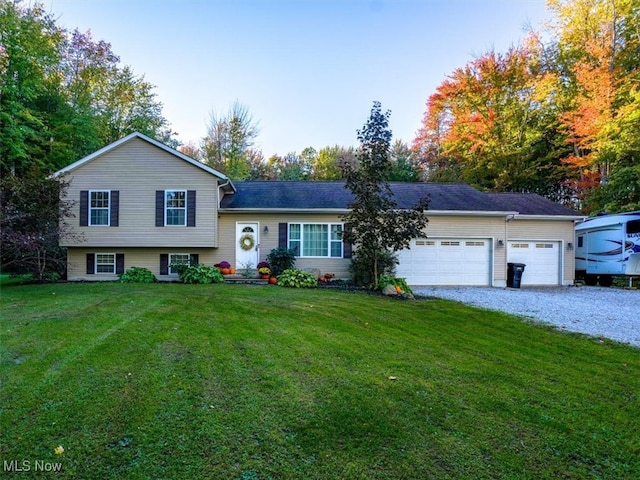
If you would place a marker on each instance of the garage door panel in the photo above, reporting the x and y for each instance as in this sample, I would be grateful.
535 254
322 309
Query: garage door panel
542 260
447 261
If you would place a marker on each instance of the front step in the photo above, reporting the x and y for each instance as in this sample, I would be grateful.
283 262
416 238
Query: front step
239 279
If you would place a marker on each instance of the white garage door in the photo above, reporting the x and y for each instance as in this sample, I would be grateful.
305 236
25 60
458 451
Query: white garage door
542 260
446 261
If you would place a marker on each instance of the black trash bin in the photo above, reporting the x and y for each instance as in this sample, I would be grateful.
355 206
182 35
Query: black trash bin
514 274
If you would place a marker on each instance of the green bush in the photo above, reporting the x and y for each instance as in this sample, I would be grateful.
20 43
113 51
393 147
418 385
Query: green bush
361 267
201 274
297 279
384 280
179 268
281 259
138 275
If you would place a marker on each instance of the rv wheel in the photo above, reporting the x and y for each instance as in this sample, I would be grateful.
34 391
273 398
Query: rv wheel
606 280
590 279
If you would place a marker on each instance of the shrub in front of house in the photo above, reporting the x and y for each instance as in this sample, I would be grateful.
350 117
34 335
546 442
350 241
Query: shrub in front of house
201 274
384 280
281 259
360 267
138 275
297 279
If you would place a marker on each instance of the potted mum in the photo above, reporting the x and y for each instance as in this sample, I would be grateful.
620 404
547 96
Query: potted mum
264 269
224 267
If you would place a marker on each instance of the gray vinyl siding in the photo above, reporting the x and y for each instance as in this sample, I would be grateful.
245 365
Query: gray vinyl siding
269 241
137 169
139 257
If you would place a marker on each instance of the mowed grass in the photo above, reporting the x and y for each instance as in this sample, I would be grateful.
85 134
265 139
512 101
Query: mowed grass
240 382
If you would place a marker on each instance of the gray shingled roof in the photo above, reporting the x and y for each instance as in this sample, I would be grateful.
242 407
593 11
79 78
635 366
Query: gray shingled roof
529 204
333 195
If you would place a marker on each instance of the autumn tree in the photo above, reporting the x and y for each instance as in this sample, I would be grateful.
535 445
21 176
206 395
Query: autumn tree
229 139
376 226
597 47
486 125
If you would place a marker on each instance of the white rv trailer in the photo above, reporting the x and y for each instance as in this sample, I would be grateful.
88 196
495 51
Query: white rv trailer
608 245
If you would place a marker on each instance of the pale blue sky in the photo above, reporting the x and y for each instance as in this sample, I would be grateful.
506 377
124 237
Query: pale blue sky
307 70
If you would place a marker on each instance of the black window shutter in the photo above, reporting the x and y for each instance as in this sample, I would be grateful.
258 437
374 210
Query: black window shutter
84 208
159 208
91 263
115 208
283 241
164 264
191 208
194 259
119 263
347 250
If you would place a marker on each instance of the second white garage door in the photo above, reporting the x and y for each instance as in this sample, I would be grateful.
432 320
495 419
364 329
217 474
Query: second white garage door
446 261
542 260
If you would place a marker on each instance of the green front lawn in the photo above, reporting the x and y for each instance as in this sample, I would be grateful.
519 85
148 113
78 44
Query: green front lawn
245 382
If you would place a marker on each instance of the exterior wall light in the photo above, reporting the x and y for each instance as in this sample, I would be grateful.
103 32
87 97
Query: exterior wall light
500 243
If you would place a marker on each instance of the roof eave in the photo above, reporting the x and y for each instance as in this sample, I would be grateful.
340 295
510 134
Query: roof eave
465 213
285 210
573 218
347 210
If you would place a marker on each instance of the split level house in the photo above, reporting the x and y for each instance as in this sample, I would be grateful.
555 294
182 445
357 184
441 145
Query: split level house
138 202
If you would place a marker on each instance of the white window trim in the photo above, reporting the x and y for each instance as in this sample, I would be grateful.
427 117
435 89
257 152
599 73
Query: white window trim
95 268
186 210
302 224
171 272
108 224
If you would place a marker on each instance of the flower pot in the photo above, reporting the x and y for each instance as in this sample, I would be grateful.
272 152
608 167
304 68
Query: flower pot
264 277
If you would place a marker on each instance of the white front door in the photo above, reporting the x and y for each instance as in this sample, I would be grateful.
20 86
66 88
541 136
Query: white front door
247 244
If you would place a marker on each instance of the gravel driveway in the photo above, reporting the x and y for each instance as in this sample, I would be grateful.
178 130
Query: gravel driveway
607 312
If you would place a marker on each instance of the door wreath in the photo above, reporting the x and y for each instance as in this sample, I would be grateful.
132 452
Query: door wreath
247 242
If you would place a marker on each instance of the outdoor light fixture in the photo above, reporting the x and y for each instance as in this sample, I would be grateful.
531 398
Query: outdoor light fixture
501 243
265 230
569 246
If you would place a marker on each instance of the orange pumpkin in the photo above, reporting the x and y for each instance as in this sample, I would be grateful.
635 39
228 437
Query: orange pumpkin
226 271
273 280
232 271
398 290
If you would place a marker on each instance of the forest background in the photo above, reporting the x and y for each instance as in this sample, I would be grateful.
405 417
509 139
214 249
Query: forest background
558 114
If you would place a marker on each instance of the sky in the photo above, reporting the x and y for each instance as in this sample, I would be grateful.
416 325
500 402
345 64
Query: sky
307 71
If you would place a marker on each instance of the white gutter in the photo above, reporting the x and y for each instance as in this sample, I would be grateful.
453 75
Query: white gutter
550 217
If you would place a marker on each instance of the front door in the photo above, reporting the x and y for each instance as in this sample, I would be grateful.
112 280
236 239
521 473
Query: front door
246 245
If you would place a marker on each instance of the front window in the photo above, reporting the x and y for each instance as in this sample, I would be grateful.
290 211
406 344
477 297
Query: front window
99 207
105 263
175 205
178 259
316 239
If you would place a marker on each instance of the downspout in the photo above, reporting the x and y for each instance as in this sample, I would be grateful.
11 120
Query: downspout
507 219
222 186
